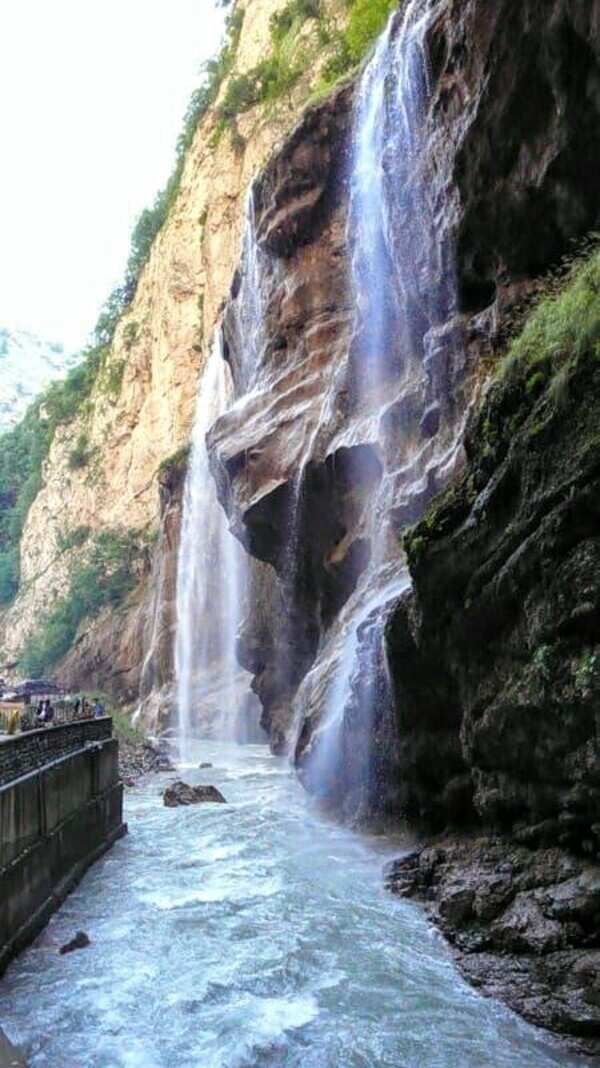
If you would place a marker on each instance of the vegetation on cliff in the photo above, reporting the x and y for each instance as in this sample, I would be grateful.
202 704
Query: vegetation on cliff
152 219
511 553
304 35
366 20
24 449
560 330
104 575
564 325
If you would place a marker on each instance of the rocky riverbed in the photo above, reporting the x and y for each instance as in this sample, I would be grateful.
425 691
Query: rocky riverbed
140 756
523 925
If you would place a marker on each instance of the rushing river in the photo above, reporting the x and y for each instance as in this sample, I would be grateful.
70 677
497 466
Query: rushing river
245 935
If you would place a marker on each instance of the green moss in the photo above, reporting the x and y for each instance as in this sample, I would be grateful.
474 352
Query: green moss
414 544
586 673
367 20
566 321
175 465
535 382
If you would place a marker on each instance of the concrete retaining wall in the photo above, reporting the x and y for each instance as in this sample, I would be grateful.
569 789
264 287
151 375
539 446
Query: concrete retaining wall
54 822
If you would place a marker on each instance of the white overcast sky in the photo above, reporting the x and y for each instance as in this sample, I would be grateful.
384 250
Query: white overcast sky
92 93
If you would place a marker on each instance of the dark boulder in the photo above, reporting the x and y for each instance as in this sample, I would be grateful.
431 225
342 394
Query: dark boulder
181 793
80 941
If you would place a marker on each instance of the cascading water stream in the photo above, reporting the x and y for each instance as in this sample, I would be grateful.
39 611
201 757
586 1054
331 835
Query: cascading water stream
403 281
211 586
213 694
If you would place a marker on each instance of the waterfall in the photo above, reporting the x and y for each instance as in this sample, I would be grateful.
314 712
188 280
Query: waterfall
246 313
402 272
212 690
404 288
213 571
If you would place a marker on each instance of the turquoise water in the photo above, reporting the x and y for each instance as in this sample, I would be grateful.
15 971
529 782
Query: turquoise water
246 935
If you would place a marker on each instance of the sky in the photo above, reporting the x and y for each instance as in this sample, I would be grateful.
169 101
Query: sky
92 95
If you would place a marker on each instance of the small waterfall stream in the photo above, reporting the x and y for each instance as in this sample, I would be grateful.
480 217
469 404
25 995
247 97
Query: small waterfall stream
212 690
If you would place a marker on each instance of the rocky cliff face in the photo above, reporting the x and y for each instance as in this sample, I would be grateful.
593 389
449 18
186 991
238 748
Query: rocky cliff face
495 656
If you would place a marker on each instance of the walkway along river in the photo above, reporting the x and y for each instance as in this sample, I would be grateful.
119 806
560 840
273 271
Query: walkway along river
245 935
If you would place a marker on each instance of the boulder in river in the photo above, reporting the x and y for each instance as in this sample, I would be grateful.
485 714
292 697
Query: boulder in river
80 941
181 793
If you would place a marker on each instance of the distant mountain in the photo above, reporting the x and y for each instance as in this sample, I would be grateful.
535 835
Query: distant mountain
27 365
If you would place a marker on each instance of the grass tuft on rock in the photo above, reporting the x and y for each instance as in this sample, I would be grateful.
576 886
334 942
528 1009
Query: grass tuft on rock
565 323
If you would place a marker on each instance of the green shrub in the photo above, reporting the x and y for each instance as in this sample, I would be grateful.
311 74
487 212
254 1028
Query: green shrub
9 574
113 377
294 11
131 333
243 92
80 454
24 449
73 539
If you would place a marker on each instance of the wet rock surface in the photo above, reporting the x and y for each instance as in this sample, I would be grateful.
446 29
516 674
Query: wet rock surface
138 757
524 925
181 793
494 655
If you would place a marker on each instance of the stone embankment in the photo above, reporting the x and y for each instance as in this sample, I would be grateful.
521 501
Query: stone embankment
60 809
